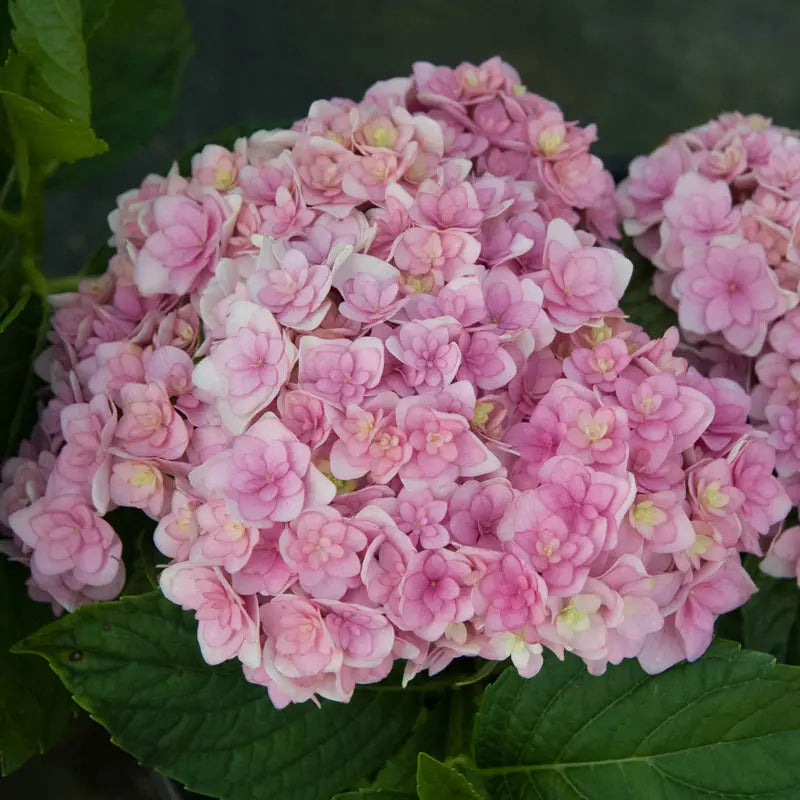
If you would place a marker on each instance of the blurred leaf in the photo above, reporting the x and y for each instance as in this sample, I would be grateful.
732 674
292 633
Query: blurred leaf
770 616
429 735
134 664
641 306
139 552
34 706
48 137
137 55
22 332
49 35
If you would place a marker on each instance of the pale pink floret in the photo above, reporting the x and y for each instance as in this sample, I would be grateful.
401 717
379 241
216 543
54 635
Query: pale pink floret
579 283
700 209
291 288
783 558
420 515
266 475
729 288
340 371
363 635
434 593
510 596
485 361
716 588
84 461
137 484
582 622
651 180
443 447
177 530
222 539
476 509
149 426
299 653
183 250
323 548
368 444
304 415
370 288
216 167
417 251
69 539
227 623
246 371
661 521
265 572
642 597
430 358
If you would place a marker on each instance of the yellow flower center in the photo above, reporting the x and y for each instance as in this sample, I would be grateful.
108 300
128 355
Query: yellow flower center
550 142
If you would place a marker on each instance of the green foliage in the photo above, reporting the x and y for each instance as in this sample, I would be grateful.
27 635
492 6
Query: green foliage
436 781
48 35
771 618
726 726
137 52
135 666
639 303
34 708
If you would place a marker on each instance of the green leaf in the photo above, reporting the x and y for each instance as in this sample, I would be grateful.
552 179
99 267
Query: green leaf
49 35
437 781
34 707
641 306
48 137
726 726
141 557
376 794
22 335
429 735
771 614
134 664
135 77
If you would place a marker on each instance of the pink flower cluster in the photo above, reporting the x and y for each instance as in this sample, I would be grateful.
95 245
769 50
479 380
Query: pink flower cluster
374 387
717 211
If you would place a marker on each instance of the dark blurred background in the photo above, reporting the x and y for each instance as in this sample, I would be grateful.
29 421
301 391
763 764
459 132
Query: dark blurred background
639 70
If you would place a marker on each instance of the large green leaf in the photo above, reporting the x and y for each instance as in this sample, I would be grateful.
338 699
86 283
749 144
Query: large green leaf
134 664
34 706
726 726
50 138
137 55
771 616
437 781
49 35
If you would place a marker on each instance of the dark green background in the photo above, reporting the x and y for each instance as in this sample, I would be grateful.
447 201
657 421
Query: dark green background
640 70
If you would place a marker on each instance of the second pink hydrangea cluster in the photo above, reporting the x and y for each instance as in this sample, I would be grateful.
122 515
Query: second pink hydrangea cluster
717 210
375 388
